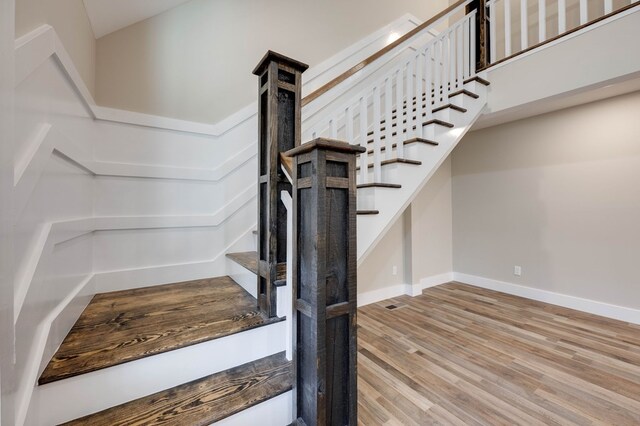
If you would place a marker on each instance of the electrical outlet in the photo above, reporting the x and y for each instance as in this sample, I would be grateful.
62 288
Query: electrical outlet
517 271
394 270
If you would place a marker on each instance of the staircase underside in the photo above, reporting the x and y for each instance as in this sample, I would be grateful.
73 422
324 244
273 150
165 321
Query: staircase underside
123 326
203 401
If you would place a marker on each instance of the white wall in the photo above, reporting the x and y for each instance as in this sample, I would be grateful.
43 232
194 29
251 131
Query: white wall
70 20
7 345
559 195
419 245
194 62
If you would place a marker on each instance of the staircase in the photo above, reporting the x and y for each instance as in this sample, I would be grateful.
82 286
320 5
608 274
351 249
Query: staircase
201 352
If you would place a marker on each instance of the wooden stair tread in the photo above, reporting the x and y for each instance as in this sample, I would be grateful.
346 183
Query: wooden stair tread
127 325
368 212
478 79
407 142
203 401
379 185
249 260
394 161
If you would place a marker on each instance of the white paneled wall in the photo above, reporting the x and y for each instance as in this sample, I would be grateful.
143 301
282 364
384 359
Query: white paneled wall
107 200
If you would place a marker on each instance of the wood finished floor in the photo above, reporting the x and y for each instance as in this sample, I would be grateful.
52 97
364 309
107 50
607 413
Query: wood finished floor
460 355
127 325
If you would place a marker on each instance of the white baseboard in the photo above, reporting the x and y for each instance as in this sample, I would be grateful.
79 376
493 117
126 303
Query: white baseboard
621 313
373 296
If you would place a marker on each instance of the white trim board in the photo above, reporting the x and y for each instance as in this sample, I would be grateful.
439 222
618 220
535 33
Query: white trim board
621 313
389 292
37 46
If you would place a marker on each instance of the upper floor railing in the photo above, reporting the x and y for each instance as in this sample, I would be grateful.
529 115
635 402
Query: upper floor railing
518 26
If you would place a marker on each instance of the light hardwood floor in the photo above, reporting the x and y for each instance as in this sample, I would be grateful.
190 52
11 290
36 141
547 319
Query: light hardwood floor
461 355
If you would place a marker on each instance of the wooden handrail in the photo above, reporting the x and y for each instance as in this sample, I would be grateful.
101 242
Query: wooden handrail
353 70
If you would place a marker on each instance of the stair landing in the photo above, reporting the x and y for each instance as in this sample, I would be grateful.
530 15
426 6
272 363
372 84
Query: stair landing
124 326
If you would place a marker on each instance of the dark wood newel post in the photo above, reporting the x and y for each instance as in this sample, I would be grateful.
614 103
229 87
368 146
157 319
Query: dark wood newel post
279 88
324 283
482 32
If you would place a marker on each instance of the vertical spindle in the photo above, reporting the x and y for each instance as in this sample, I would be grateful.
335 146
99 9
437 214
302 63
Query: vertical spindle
507 28
377 137
524 25
562 16
363 139
400 127
542 20
388 121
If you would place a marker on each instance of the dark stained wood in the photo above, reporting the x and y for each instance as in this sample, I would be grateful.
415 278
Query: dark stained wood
478 79
249 260
367 212
324 283
464 92
379 185
205 400
395 161
123 326
552 39
482 32
279 130
356 68
461 355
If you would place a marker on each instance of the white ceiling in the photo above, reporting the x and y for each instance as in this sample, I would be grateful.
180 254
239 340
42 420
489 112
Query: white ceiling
107 16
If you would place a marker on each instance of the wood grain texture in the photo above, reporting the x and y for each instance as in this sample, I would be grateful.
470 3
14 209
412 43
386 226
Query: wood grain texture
205 400
127 325
249 260
461 355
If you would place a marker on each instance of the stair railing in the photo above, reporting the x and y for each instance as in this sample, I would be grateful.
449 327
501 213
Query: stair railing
394 107
517 26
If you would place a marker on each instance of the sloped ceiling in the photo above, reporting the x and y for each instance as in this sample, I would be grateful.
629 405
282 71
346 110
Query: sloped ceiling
107 16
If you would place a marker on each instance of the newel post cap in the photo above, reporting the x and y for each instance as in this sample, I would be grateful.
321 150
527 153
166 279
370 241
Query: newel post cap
271 56
325 144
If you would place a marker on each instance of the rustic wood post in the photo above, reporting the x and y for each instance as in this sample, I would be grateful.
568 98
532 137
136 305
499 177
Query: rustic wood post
324 283
482 32
279 84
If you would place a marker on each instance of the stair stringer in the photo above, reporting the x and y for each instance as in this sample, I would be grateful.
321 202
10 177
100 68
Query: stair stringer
391 204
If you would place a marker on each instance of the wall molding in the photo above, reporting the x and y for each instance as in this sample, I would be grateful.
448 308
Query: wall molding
389 292
621 313
37 46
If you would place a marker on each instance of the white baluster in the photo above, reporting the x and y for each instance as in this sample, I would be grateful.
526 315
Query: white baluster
333 124
453 42
524 25
542 20
460 54
507 28
584 12
437 78
400 127
363 139
445 70
408 106
377 140
562 16
428 77
466 50
493 27
608 6
388 121
419 94
348 121
472 47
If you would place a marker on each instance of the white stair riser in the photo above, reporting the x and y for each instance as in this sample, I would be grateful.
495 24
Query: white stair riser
243 276
276 411
75 397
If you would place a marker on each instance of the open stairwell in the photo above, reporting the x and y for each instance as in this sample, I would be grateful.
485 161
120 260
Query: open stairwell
202 352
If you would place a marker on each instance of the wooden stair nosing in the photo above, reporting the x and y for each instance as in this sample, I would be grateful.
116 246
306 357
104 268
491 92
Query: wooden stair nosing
129 325
426 123
249 260
205 400
407 142
394 161
379 185
424 114
478 79
368 212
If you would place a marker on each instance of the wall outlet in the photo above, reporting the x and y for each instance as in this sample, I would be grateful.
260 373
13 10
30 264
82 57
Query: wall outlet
517 271
394 270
